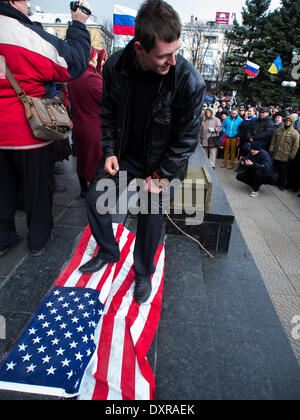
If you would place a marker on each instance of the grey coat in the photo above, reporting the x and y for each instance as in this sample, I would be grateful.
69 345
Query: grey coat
209 123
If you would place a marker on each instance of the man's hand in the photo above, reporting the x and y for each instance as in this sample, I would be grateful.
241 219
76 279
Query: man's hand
152 185
249 162
112 165
79 15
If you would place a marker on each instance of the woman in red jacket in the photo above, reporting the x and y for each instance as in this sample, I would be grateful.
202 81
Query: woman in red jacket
86 97
37 59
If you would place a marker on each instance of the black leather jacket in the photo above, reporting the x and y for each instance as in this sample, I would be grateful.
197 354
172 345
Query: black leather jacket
173 122
262 130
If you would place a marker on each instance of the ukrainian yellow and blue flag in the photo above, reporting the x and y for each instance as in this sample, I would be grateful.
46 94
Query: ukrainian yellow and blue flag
276 66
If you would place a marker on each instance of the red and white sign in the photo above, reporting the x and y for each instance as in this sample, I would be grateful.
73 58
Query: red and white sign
222 18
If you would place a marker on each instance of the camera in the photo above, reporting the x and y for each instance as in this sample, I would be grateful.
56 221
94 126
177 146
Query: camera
74 6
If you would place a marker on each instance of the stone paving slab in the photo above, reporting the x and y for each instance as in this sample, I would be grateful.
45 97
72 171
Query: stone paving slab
239 315
273 237
278 283
186 364
257 242
295 280
236 382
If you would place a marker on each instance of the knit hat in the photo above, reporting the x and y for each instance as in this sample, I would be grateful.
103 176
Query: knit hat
263 109
290 118
278 114
255 145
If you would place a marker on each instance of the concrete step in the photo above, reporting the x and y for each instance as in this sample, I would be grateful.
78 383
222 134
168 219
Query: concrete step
184 352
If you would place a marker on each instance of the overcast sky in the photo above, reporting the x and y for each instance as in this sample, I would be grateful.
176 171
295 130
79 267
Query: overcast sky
103 9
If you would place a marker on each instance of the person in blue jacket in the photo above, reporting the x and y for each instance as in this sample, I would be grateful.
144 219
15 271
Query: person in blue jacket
231 128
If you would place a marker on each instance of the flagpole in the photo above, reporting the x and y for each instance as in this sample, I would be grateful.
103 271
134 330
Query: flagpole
242 83
244 74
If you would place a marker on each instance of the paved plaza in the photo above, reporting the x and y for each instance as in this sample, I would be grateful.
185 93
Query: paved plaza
225 331
270 225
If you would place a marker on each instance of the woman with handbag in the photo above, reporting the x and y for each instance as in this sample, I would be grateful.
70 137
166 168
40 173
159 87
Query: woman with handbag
210 135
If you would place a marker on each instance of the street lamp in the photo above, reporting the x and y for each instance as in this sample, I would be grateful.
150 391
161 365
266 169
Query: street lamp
289 84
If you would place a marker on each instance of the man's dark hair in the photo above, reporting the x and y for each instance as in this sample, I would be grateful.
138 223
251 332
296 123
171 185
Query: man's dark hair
156 19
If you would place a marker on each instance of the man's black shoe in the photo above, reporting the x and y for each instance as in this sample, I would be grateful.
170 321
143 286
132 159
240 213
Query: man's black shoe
96 264
83 194
143 288
4 249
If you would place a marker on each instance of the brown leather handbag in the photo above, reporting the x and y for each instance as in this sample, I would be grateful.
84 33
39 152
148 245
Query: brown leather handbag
48 118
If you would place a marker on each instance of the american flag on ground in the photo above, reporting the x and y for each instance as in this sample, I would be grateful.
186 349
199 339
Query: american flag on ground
89 337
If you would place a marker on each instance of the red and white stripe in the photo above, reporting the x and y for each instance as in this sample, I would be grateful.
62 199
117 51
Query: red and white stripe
119 369
16 34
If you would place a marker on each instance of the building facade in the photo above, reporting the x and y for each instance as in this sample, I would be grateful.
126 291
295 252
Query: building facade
205 45
57 24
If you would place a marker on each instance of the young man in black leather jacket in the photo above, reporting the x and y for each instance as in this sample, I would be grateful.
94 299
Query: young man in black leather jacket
150 115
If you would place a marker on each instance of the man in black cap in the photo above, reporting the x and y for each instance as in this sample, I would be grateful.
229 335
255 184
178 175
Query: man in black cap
262 129
257 166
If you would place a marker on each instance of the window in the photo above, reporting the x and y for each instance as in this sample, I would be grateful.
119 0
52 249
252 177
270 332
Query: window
211 39
208 70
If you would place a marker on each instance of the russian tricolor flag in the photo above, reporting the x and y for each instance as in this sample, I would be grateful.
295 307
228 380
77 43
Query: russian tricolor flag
252 69
124 20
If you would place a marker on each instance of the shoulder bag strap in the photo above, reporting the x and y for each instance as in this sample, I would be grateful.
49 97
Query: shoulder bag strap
15 85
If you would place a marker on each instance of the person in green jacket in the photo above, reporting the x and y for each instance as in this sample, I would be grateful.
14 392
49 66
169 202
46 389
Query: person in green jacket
283 149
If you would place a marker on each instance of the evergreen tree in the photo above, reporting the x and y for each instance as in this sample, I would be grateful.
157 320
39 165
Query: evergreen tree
262 37
244 40
281 37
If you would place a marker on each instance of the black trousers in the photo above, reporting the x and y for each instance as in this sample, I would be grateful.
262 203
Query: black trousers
31 173
149 227
282 168
252 177
293 180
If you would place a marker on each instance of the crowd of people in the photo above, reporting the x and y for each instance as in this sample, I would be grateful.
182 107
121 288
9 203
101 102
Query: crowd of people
265 140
